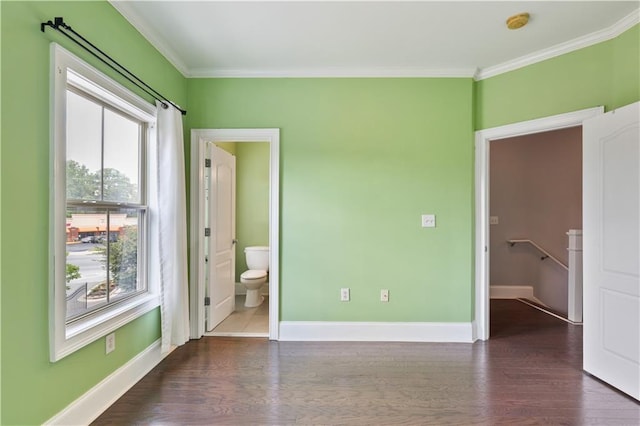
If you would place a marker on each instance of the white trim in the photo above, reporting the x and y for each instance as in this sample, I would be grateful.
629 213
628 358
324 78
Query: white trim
87 85
129 13
563 48
483 137
511 292
474 330
94 402
376 331
199 138
236 334
337 73
89 78
196 244
80 335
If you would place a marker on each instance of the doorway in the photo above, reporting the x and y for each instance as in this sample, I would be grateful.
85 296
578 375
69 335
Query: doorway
200 140
535 203
482 186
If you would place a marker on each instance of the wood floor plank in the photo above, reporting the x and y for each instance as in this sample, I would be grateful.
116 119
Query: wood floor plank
528 373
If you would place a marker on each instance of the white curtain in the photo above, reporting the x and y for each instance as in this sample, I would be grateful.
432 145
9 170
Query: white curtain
171 223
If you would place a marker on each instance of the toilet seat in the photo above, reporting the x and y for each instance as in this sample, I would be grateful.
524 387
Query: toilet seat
253 274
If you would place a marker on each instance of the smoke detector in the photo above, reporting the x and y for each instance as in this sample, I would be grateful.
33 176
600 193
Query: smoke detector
517 21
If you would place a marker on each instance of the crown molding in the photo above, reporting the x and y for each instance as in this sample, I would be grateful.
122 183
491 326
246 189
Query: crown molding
478 74
337 73
138 23
560 49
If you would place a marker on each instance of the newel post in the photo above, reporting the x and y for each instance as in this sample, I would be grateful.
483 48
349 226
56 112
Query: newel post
575 275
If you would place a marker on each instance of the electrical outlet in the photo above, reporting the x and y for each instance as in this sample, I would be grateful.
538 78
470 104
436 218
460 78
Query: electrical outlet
428 220
344 294
110 342
384 295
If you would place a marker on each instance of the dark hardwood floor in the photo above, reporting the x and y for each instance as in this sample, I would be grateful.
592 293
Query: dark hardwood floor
528 373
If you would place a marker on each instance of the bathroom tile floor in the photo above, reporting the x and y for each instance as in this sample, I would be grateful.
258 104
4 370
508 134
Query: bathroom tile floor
248 322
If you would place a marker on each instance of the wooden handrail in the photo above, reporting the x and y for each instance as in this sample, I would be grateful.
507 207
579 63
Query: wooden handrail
513 242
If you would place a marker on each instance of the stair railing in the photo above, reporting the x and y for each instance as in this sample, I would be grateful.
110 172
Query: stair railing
574 281
545 254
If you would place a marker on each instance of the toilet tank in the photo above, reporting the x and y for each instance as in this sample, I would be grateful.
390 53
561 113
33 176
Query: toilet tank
257 257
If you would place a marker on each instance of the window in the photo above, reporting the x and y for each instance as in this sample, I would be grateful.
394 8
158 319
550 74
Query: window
100 213
105 204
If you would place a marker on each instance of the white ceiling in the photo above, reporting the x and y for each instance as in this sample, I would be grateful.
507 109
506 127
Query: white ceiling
368 38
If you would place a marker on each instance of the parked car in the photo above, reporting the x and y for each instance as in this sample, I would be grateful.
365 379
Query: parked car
90 239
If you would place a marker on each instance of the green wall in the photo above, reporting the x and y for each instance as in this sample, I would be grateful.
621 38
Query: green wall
626 68
252 199
605 74
361 160
33 389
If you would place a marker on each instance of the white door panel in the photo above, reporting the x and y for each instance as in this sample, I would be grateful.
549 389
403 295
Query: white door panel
611 217
618 310
221 249
621 202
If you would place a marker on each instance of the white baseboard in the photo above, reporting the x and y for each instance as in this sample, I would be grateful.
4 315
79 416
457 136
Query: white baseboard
511 291
514 292
474 330
89 406
376 331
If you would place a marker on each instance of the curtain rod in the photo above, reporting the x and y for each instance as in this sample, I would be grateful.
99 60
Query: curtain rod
60 26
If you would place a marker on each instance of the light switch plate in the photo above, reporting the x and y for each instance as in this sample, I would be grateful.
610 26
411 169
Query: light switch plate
493 220
428 220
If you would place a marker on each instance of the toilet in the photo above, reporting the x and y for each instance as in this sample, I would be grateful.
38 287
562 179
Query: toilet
258 263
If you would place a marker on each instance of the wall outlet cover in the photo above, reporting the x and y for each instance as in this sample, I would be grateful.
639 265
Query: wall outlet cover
493 220
110 343
344 294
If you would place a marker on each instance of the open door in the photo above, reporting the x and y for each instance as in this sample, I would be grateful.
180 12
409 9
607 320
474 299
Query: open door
611 206
220 250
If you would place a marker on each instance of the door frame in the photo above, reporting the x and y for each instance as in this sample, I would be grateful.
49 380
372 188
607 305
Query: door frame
482 140
199 139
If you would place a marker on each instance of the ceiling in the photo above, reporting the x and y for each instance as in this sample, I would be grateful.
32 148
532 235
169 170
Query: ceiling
368 38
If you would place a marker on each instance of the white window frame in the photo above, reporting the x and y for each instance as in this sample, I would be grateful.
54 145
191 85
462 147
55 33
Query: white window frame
67 338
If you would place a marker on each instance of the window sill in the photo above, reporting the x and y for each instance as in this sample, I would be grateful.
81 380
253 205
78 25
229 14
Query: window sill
94 327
